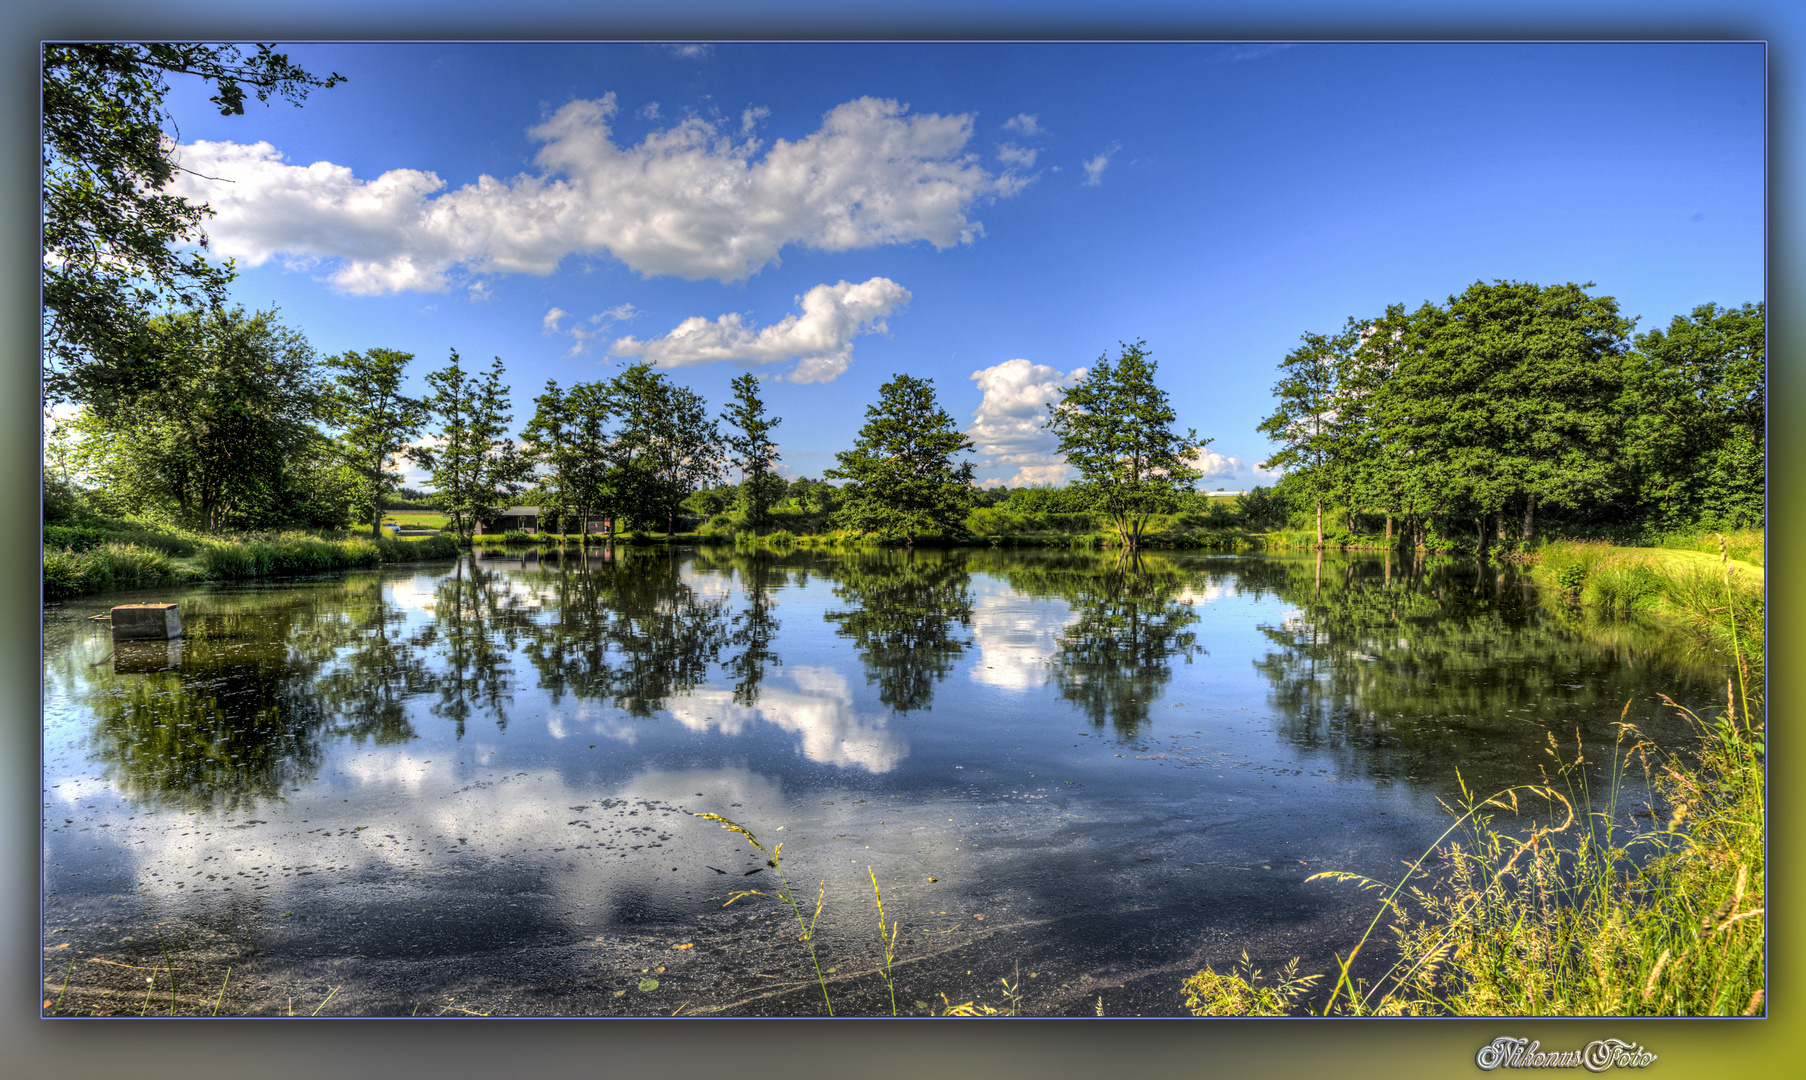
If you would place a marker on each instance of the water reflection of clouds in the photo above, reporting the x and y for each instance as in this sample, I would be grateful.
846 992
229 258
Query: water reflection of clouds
706 585
593 720
515 820
417 593
400 771
818 706
1015 636
1207 594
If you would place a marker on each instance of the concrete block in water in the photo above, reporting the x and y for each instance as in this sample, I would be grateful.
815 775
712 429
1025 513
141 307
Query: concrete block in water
144 657
146 622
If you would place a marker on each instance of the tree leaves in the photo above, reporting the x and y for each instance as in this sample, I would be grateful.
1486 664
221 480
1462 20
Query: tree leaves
1115 428
109 235
902 482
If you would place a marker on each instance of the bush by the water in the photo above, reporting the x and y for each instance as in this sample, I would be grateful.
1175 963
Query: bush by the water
1709 597
89 534
106 568
294 554
287 555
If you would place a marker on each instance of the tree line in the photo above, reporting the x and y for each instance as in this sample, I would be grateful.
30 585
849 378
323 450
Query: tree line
1514 400
202 413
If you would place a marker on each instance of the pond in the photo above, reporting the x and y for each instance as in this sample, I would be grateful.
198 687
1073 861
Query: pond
470 788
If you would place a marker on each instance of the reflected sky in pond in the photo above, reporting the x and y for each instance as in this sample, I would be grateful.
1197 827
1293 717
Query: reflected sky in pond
373 768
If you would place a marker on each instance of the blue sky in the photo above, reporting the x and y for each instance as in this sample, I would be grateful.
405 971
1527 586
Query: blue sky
994 217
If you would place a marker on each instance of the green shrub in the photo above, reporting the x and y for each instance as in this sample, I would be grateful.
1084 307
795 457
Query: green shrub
108 568
86 535
287 555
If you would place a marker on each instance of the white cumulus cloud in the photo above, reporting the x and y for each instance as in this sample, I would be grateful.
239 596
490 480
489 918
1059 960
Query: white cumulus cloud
587 331
1094 168
1023 123
1230 471
688 200
1019 157
820 339
1007 425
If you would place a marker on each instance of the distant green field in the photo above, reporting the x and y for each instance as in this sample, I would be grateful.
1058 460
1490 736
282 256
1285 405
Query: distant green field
417 519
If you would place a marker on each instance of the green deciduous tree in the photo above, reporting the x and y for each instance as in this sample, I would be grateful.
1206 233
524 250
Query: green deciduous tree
1115 428
1695 408
1508 398
227 440
110 234
476 469
901 479
754 454
378 424
667 447
1304 421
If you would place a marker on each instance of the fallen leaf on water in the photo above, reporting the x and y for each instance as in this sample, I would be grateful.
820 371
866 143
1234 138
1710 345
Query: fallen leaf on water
687 945
647 986
932 880
660 970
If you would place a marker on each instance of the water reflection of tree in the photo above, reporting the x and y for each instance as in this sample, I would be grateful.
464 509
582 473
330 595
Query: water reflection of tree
625 628
1418 668
478 621
376 666
754 626
902 619
232 720
1134 616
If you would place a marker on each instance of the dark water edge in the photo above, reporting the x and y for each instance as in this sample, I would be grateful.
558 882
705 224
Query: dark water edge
437 789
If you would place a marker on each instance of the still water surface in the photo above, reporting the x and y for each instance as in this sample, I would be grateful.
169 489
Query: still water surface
469 787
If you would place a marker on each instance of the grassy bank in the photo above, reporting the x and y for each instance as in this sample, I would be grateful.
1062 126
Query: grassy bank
1577 913
1712 595
101 557
1542 905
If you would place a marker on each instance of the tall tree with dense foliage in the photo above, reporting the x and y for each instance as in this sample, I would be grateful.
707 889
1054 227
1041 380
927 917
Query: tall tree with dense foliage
901 481
1695 408
227 438
110 234
476 469
1304 421
546 442
667 447
1507 399
378 424
754 454
1116 428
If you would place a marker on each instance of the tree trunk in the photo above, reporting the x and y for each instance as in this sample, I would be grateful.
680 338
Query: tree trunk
1319 524
1388 532
1480 535
1529 513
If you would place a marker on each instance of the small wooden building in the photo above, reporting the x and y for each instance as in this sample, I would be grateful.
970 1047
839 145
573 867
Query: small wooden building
524 518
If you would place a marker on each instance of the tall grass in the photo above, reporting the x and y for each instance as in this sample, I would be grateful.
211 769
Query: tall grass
1720 604
294 554
1582 912
108 568
286 555
99 533
774 858
1744 545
